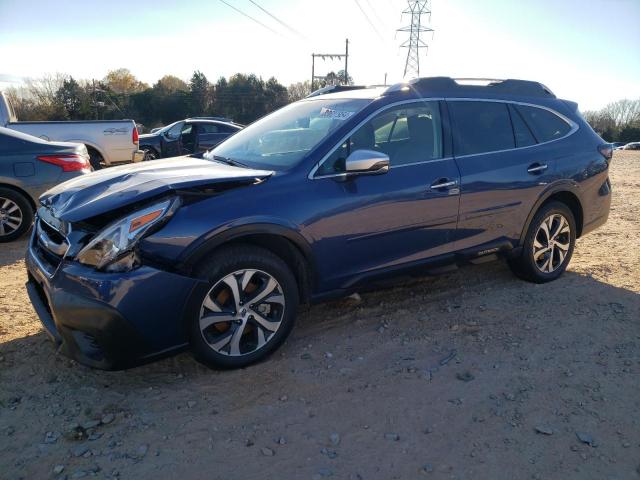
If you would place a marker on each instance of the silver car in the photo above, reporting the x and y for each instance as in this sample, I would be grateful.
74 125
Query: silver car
28 167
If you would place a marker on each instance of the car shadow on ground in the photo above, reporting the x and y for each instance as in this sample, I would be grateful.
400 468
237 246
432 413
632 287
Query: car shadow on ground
445 300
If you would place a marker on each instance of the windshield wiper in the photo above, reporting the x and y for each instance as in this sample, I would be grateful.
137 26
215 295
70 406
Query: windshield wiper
228 161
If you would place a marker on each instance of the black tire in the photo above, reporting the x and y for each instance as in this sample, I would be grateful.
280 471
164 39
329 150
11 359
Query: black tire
525 266
149 154
224 262
95 159
13 199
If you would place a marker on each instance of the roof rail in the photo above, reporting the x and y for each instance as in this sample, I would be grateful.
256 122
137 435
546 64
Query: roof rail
443 84
334 89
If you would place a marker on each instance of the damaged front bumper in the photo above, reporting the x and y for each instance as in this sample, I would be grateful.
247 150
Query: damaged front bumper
109 320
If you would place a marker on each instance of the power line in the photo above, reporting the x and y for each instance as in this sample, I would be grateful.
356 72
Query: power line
250 17
369 20
375 13
285 25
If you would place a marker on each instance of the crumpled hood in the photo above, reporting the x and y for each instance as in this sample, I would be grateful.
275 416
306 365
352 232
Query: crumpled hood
105 190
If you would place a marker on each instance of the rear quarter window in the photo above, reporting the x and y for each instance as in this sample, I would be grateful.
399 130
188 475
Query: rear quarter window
546 125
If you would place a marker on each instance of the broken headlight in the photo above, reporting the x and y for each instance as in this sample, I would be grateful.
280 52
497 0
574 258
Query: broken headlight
112 248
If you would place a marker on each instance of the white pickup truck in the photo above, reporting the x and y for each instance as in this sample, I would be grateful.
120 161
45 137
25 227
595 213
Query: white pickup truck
109 142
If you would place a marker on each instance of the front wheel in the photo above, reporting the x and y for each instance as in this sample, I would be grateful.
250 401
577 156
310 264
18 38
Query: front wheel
548 246
248 310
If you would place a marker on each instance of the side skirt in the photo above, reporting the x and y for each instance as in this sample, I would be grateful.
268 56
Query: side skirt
487 252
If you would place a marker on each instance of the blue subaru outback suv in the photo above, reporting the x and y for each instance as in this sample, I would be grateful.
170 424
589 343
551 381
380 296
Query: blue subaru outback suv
322 197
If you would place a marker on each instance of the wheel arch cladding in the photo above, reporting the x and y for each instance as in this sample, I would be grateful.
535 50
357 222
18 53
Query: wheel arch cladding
563 195
296 256
571 201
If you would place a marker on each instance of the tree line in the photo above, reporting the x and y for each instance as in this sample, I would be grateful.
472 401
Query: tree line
241 97
617 122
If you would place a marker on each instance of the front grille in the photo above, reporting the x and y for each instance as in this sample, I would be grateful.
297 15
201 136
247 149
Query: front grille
50 244
51 232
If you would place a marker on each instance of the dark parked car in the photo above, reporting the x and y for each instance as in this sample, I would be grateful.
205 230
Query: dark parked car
28 167
193 135
322 197
617 145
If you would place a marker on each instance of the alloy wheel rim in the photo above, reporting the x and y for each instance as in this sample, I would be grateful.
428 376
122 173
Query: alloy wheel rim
242 312
551 243
10 216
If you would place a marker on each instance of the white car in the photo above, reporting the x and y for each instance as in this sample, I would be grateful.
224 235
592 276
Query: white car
108 142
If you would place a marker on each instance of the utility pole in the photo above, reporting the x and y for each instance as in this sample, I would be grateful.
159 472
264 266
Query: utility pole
416 8
330 56
346 62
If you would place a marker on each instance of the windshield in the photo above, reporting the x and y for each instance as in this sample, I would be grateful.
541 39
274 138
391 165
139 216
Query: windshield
281 140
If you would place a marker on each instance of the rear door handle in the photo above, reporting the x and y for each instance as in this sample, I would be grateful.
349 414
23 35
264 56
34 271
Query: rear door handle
537 168
443 183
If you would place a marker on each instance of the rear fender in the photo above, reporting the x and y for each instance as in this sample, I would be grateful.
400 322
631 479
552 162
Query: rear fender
558 187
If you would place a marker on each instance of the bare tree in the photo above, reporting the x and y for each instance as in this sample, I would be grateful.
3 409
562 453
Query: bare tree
623 112
299 90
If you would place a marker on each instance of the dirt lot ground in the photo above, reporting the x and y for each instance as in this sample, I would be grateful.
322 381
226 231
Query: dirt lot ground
469 375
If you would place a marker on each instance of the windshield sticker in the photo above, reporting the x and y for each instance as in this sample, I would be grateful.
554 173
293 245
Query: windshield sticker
334 114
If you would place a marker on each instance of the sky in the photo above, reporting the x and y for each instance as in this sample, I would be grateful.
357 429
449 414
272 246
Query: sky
584 50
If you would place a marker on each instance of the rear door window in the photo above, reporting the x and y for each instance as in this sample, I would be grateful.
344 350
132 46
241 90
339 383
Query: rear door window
481 127
208 128
521 132
546 126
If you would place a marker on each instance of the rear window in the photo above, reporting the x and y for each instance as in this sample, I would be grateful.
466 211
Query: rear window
481 127
546 126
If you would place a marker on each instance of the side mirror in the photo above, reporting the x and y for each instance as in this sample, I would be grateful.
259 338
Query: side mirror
366 162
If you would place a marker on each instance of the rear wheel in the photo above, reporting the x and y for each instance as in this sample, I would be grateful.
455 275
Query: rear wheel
149 154
548 246
248 310
16 215
95 159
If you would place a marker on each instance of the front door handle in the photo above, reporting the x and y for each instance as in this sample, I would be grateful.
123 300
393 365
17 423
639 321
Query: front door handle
443 183
537 168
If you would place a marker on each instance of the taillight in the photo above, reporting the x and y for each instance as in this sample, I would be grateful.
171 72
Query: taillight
606 150
68 162
134 135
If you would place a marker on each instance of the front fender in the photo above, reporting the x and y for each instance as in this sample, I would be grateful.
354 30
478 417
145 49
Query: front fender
242 228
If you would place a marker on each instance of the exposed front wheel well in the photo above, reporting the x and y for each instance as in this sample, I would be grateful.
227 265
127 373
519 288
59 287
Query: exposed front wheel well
284 249
571 201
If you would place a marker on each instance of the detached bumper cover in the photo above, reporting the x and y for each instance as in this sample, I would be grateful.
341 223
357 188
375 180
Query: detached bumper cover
107 320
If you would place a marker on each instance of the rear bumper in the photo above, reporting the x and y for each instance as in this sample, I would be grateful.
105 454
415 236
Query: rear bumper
109 321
